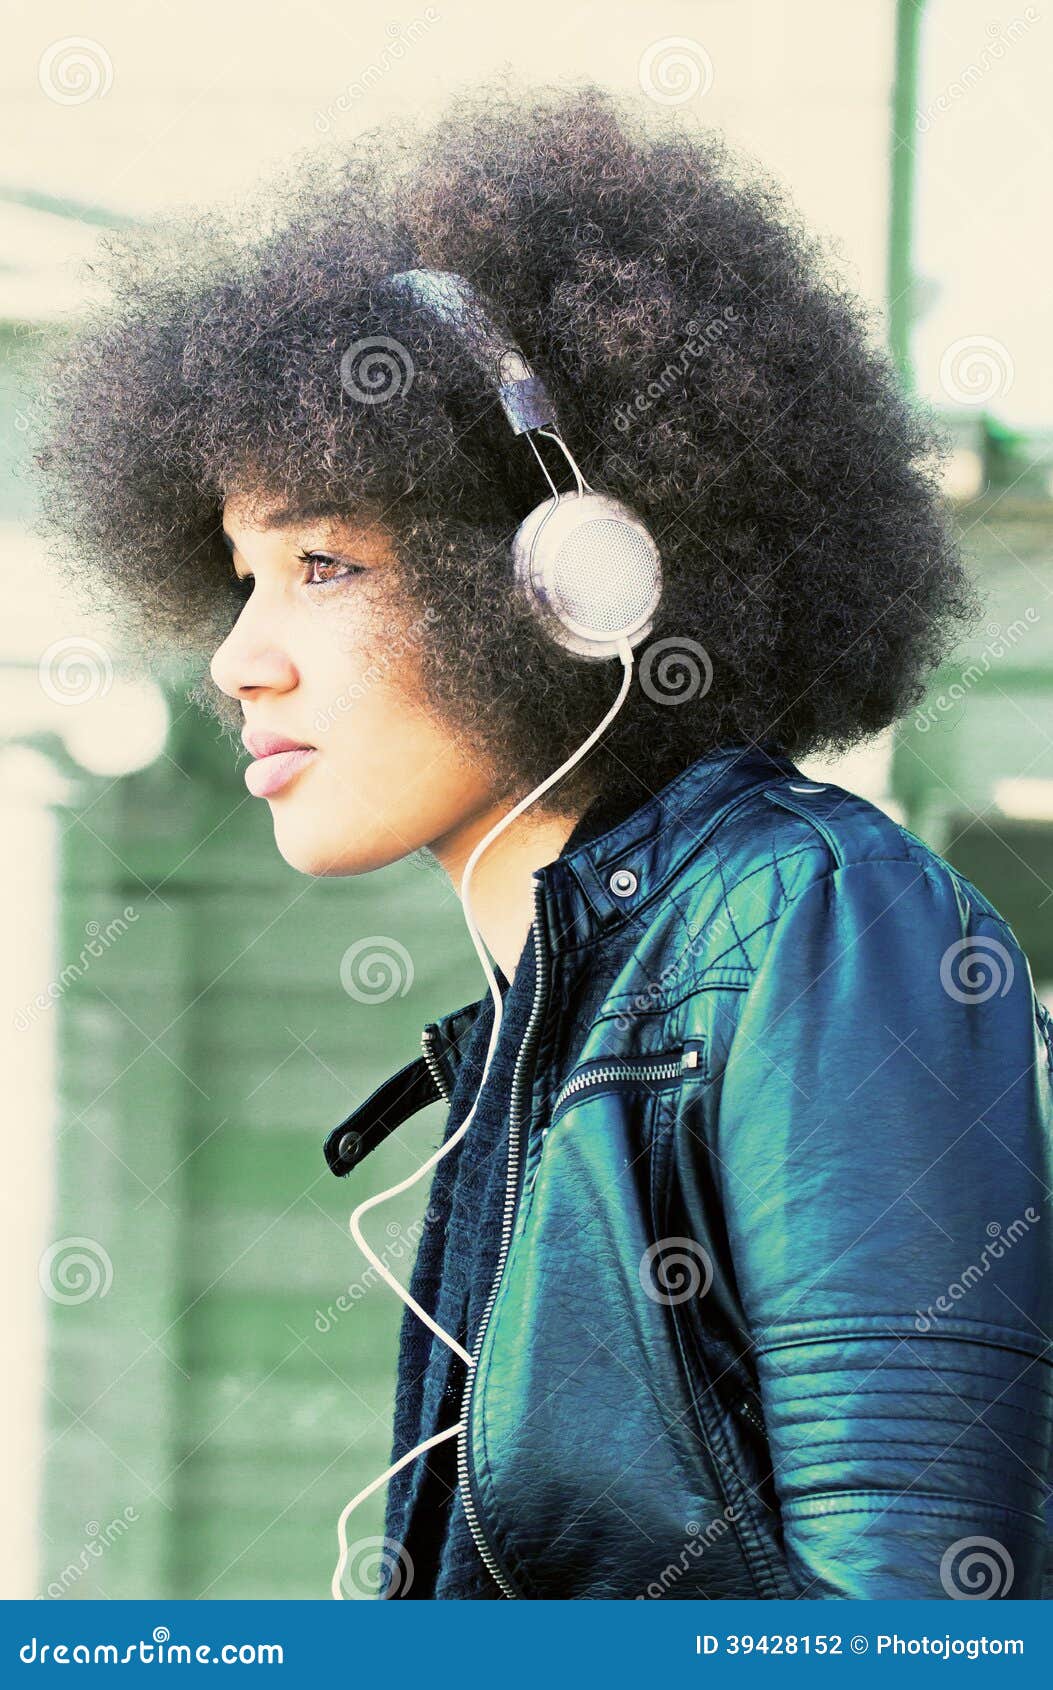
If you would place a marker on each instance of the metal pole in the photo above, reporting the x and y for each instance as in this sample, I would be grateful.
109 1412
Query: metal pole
900 277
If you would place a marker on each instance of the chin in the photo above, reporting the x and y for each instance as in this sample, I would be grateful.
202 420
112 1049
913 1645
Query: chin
309 852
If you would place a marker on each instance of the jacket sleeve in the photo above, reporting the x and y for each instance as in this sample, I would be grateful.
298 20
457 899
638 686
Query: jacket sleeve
883 1147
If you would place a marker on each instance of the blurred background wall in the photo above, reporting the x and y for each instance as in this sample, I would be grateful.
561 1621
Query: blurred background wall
187 1405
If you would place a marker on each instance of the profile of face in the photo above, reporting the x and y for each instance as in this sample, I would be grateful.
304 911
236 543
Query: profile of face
324 659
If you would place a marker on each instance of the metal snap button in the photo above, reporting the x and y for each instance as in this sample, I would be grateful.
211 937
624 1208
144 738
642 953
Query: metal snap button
623 883
348 1145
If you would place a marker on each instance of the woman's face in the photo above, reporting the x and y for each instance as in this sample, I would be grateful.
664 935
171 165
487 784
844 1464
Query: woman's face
324 660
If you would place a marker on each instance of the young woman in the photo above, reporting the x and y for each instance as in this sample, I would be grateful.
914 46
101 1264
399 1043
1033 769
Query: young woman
736 1280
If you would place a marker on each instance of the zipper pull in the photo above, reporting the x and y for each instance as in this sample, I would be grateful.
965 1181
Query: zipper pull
537 1165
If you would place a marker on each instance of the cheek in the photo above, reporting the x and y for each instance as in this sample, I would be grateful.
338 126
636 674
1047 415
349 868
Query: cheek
360 685
391 776
388 781
336 659
382 745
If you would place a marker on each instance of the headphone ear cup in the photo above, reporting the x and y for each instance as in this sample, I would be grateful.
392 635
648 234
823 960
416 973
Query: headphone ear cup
591 572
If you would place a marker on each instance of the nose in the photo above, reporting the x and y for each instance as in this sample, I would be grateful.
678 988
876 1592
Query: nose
251 660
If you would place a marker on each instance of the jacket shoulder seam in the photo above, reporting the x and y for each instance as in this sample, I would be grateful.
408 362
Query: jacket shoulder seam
825 1503
836 1328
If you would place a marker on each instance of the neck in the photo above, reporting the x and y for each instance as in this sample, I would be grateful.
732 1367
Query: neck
502 897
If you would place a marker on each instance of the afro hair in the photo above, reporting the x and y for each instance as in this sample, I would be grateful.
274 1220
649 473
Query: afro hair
707 367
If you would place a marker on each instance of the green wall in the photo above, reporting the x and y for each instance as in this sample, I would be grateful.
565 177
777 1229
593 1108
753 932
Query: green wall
201 1403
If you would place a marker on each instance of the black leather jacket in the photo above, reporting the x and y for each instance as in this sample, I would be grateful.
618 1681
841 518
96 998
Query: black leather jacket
772 1310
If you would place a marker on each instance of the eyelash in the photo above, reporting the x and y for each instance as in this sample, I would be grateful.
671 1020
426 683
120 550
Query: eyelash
244 583
348 570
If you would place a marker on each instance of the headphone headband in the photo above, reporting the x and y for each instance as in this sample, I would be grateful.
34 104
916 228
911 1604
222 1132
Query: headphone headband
587 565
524 398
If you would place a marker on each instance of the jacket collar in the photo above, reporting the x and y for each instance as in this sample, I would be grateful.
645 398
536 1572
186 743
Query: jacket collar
609 870
619 859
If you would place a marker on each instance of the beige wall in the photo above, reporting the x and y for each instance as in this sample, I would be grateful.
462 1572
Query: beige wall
194 102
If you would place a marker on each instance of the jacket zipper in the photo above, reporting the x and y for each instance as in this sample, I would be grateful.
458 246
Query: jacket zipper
644 1068
511 1186
427 1045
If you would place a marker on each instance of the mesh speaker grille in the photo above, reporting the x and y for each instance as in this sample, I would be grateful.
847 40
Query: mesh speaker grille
606 575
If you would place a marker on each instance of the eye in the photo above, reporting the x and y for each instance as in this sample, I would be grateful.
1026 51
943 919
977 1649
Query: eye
243 585
323 569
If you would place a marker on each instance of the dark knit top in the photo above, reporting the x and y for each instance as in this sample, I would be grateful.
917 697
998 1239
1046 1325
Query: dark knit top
454 1269
451 1279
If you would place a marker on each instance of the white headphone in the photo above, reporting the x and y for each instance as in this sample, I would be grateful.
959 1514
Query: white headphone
591 573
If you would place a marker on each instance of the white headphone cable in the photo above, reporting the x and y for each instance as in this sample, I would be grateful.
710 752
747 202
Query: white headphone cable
626 654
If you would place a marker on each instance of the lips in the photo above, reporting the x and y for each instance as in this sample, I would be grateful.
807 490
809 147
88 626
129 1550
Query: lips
263 744
276 761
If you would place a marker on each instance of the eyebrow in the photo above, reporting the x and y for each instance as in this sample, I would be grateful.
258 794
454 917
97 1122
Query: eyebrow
283 518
